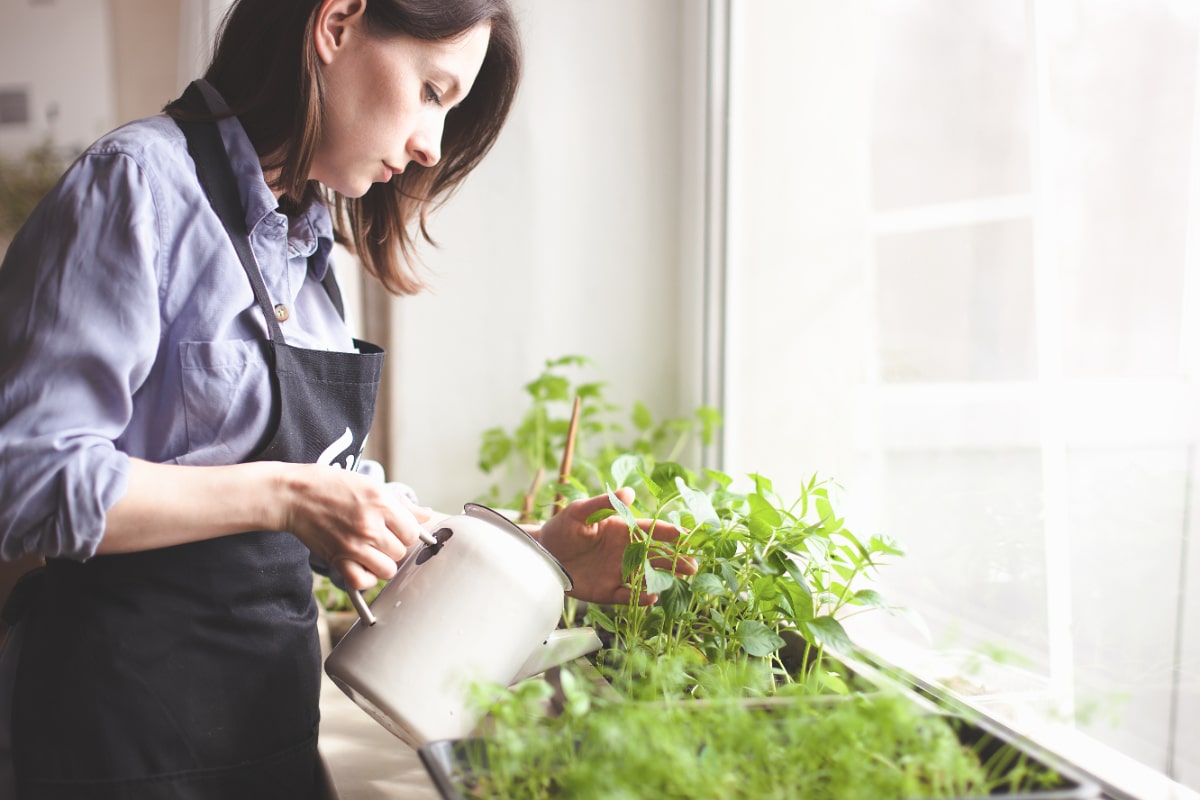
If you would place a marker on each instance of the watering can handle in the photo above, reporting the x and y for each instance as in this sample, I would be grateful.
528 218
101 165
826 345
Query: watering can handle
360 605
360 602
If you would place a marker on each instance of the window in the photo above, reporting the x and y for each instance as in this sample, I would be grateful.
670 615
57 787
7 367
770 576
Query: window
963 283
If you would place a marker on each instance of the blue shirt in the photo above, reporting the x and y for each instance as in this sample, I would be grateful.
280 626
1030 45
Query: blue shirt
128 327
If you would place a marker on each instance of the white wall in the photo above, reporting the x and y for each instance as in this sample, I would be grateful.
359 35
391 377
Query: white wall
571 238
59 51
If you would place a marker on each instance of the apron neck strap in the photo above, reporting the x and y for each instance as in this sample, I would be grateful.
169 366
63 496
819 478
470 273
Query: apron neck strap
219 183
334 291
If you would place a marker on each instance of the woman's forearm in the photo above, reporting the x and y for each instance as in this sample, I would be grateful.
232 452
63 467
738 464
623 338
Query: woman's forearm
168 504
355 524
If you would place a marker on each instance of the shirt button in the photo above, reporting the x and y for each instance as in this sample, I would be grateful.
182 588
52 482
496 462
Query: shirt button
282 313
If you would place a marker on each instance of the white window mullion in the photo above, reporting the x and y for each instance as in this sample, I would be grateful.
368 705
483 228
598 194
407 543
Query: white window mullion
1186 642
1047 316
715 388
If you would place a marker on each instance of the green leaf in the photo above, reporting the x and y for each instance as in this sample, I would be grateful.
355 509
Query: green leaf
698 504
674 600
710 420
833 683
624 468
709 584
829 520
762 510
800 600
762 484
720 478
766 588
759 530
549 387
596 516
589 390
597 616
829 633
667 472
642 419
757 639
729 575
569 360
632 559
884 545
623 510
657 580
870 598
494 449
651 486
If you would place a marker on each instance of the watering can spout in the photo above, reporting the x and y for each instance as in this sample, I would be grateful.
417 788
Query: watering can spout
561 646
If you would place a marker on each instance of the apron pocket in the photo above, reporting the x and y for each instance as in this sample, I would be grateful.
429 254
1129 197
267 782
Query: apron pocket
225 389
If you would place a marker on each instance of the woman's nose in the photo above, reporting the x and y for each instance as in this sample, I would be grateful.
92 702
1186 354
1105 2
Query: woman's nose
425 147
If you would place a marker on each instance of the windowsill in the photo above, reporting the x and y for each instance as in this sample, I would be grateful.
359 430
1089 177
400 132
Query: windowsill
1017 699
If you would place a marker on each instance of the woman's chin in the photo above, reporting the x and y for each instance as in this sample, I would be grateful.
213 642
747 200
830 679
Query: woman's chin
350 189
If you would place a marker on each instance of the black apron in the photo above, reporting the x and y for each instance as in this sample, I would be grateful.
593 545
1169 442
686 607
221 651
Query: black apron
194 671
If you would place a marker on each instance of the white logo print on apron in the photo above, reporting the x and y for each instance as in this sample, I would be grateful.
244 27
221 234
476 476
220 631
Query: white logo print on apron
329 456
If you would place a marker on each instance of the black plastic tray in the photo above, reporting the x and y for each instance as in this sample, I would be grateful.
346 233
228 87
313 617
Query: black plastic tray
449 763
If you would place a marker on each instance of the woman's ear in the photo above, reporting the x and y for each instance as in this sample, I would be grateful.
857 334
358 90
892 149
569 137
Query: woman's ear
336 22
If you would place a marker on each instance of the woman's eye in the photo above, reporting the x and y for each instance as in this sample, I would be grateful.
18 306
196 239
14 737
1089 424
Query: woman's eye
431 95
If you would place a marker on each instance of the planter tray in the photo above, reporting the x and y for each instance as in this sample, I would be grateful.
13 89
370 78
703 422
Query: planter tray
449 763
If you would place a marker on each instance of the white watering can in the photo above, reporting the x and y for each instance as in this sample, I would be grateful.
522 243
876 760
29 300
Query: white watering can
478 603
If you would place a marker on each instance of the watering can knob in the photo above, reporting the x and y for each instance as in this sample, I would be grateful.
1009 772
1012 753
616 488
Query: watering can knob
360 602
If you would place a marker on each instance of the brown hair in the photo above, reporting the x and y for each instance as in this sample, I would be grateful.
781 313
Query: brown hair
265 65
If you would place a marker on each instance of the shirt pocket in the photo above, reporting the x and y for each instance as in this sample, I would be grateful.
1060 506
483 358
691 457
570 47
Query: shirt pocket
226 400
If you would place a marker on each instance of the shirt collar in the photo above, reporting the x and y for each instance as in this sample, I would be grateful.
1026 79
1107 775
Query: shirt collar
310 235
310 231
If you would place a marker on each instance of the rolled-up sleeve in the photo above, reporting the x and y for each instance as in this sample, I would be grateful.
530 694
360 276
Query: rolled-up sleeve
79 330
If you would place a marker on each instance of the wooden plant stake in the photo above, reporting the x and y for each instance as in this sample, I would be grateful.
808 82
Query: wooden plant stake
527 503
564 470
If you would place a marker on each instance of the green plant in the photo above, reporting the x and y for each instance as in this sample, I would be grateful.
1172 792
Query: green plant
765 568
872 746
736 682
25 181
519 459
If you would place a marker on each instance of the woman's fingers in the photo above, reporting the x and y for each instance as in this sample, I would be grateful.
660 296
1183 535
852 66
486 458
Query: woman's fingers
358 576
667 534
366 529
402 531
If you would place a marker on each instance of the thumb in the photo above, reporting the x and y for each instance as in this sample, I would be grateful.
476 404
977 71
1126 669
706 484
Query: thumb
585 508
626 495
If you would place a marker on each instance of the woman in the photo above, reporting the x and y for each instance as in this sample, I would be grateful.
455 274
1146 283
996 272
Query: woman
182 409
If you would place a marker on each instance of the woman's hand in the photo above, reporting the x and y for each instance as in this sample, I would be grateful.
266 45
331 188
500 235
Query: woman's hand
357 524
592 554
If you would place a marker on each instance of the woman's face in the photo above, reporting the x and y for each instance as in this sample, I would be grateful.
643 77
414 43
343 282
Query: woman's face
386 101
